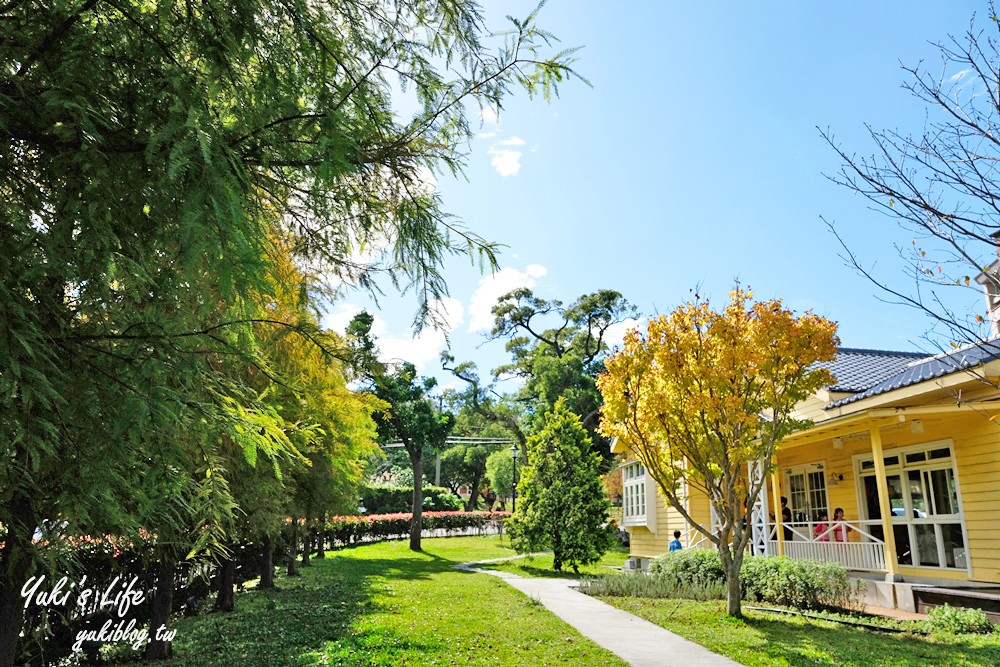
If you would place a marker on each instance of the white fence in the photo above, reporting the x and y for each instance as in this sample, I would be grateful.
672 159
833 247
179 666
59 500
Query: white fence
816 541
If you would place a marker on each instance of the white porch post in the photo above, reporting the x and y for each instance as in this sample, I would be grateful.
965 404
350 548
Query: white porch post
779 533
758 513
885 508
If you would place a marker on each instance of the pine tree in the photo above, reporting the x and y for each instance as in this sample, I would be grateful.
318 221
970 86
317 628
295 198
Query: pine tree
563 506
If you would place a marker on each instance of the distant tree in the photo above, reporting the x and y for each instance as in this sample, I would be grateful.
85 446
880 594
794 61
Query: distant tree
557 352
563 506
612 481
411 417
413 420
704 394
485 401
475 417
940 186
500 473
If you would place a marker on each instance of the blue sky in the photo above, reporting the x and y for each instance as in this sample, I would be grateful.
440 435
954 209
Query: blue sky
694 159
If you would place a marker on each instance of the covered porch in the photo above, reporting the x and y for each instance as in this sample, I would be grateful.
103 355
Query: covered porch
893 474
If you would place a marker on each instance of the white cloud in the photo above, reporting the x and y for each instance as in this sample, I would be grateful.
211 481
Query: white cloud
492 287
420 350
507 163
505 160
957 76
448 313
614 336
490 114
536 270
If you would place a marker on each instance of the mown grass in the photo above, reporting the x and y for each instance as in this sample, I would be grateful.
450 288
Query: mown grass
541 565
383 605
762 639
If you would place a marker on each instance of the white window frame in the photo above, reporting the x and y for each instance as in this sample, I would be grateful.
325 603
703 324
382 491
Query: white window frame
638 496
901 468
805 469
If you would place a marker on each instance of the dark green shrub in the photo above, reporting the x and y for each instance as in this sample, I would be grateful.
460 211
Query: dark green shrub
957 621
384 499
779 580
689 566
347 530
802 584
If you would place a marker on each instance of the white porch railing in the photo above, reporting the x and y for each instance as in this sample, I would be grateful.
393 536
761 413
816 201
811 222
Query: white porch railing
808 543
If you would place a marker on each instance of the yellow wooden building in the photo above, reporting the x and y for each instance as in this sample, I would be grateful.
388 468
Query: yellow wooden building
907 445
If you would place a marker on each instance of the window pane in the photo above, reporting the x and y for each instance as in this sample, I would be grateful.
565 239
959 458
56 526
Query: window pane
916 483
954 545
927 544
896 495
902 535
817 495
944 492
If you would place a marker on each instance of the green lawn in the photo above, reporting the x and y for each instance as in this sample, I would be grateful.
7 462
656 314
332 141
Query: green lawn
541 566
385 605
768 640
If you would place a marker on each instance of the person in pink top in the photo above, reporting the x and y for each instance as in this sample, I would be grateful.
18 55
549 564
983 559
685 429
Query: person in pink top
820 533
840 531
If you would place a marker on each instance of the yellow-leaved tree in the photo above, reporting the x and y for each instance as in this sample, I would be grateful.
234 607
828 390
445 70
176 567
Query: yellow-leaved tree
704 394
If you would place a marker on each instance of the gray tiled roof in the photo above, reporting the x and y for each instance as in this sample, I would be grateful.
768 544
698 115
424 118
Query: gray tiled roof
926 368
857 370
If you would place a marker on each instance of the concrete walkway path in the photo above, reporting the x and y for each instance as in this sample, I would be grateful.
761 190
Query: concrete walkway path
633 639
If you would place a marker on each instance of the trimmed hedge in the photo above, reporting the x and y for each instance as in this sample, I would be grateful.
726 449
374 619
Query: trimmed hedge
689 567
347 530
384 499
802 584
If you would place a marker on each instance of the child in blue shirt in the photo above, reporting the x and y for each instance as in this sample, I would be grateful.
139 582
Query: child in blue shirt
675 544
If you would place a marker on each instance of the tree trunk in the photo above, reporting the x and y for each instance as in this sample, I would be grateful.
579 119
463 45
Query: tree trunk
474 496
267 563
306 544
321 537
293 546
734 593
15 566
225 599
418 499
732 560
557 555
159 609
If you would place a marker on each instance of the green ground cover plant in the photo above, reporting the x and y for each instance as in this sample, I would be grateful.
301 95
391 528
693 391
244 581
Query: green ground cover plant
382 605
952 620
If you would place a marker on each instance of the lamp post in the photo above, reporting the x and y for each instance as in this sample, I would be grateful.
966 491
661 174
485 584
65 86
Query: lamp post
513 480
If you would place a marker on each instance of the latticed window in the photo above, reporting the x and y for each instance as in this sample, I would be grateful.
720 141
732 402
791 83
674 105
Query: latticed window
633 491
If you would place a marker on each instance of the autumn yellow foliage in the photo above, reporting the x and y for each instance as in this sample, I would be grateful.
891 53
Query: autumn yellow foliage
705 393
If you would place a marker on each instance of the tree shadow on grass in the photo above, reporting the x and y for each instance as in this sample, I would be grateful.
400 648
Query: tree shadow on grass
814 644
307 620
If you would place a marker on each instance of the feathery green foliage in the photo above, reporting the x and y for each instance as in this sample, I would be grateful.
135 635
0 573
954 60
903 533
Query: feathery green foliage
563 507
